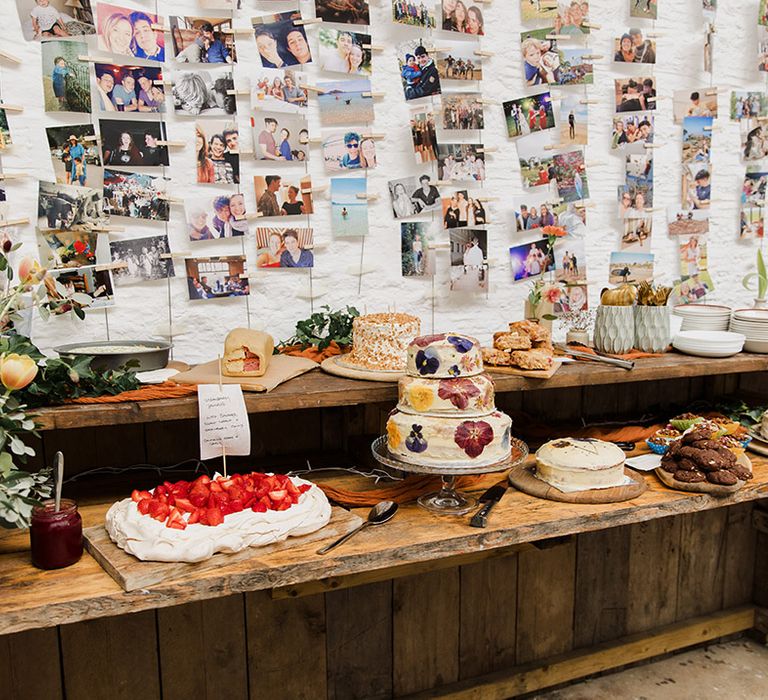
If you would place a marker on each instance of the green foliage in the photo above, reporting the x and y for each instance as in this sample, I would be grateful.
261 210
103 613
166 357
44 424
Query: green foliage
19 493
761 276
323 327
741 412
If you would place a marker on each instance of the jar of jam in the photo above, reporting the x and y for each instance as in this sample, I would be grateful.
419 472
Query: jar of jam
56 536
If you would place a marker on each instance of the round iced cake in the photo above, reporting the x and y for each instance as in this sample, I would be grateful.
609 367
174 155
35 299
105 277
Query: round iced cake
444 355
467 396
574 464
380 341
453 442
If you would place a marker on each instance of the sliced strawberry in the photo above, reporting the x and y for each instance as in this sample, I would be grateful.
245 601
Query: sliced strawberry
278 496
137 495
158 511
184 504
214 516
216 487
194 516
304 488
143 505
236 505
259 507
283 505
175 520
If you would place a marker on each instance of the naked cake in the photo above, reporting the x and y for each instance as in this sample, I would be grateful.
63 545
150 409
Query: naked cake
380 341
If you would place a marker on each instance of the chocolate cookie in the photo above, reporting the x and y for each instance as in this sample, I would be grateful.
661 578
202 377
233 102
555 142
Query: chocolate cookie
690 452
722 477
686 464
740 471
696 435
690 477
668 464
674 449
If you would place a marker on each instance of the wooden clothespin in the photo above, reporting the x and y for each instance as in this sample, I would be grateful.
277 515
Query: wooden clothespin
11 108
238 92
14 222
172 144
308 20
9 57
372 94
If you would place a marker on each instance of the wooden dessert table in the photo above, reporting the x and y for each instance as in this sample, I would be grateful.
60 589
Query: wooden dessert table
423 606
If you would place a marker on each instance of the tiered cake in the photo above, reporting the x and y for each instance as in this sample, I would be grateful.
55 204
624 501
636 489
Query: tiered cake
380 341
446 414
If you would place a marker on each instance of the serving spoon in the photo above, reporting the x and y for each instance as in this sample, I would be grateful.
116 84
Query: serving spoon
379 514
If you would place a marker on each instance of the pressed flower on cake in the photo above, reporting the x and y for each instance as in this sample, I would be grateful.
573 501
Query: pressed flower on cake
427 361
458 391
394 438
415 442
421 397
473 436
462 345
424 340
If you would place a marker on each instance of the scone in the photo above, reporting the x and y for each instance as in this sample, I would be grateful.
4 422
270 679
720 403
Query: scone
500 358
532 359
512 340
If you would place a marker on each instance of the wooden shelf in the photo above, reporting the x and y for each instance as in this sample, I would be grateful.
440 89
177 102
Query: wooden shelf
318 389
414 541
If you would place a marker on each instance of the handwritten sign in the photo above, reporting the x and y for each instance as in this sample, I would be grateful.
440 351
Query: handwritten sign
223 421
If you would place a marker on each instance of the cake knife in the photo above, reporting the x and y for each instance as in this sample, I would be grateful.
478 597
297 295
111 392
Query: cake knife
490 498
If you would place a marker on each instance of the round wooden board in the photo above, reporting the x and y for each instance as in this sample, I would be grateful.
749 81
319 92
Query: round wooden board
332 366
703 486
758 445
522 479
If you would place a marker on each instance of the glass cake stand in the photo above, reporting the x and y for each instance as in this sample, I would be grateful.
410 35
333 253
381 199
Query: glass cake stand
448 501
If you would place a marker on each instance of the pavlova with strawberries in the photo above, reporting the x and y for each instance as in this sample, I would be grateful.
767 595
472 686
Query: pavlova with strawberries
189 521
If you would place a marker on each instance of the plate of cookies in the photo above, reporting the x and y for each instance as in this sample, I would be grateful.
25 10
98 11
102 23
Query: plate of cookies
700 463
525 349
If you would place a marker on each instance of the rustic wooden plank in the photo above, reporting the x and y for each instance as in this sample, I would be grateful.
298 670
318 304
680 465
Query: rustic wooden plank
202 649
654 558
760 580
599 402
425 631
546 588
488 616
33 599
317 389
739 556
602 581
22 675
286 647
561 407
113 658
702 563
359 642
521 680
132 573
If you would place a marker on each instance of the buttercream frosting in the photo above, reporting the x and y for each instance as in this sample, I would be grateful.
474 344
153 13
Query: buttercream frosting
445 355
380 341
573 464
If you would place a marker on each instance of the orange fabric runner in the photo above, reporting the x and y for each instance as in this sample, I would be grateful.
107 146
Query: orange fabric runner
165 390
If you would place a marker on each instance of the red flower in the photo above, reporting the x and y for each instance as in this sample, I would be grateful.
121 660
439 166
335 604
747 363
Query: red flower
424 340
556 231
457 391
79 247
473 436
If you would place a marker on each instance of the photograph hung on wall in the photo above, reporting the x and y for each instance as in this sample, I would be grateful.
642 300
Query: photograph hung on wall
413 195
75 154
67 249
343 51
462 208
280 41
136 195
343 102
634 47
128 32
417 258
634 201
637 234
571 176
537 167
626 267
54 19
5 130
570 17
348 150
645 9
135 89
693 256
418 71
216 278
460 161
126 142
423 134
203 93
685 222
546 63
529 114
532 259
458 61
279 90
413 13
701 102
343 11
217 152
349 206
573 120
283 195
203 39
573 299
753 189
69 207
692 290
139 260
284 247
697 139
632 131
697 187
762 49
570 262
461 111
638 175
469 260
751 222
636 94
537 209
754 139
91 281
745 104
458 17
219 216
279 136
66 79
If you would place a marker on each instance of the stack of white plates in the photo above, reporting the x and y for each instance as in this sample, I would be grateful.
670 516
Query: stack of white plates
703 317
709 343
753 323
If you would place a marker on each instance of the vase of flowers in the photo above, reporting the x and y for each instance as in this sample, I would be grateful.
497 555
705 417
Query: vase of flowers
579 324
540 302
761 276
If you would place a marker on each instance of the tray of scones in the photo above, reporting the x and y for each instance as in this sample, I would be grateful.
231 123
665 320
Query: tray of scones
525 349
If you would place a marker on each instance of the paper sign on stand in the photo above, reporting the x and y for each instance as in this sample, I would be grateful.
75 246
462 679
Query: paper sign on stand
224 427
